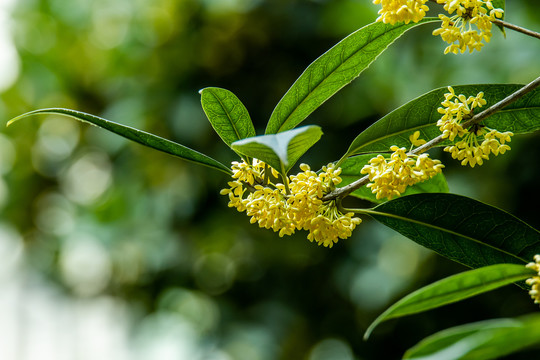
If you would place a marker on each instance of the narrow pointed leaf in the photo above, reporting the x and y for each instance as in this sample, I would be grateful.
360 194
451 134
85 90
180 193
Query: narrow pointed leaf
280 151
350 172
454 288
333 70
462 229
484 340
421 114
141 137
228 116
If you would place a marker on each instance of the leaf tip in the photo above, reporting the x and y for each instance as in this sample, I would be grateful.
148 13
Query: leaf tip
14 119
369 330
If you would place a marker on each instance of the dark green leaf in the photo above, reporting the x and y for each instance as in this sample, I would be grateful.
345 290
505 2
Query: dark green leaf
333 70
228 116
454 288
421 114
138 136
351 172
280 151
484 340
461 229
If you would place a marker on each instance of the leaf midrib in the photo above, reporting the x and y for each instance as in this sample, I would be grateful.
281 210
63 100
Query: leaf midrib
332 72
227 113
382 138
374 212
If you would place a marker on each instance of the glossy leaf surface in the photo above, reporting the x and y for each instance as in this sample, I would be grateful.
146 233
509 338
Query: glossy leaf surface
462 229
228 116
485 340
421 114
280 151
332 71
454 288
141 137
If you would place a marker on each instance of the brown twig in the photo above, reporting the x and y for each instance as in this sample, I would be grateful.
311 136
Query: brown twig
516 28
346 190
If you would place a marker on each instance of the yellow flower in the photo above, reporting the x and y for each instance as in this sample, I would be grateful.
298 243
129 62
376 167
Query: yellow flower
456 109
414 139
390 177
458 30
253 173
325 223
469 150
534 282
394 11
330 225
272 207
236 194
268 208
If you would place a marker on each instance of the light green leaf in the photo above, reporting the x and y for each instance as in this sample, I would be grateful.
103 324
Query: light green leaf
228 116
280 151
138 136
461 229
333 70
350 172
453 289
421 114
484 340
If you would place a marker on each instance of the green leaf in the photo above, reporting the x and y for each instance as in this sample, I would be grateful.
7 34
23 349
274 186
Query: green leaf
453 289
138 136
280 151
421 114
461 229
333 70
500 4
228 116
350 172
484 340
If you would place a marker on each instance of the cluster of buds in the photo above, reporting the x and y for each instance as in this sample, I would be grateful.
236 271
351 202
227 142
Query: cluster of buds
534 282
458 30
472 152
295 206
469 150
466 29
296 203
390 177
394 11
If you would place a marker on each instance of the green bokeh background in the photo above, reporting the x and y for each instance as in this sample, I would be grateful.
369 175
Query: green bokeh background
90 218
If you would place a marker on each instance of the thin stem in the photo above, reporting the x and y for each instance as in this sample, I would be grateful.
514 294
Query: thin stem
516 28
286 183
346 190
356 211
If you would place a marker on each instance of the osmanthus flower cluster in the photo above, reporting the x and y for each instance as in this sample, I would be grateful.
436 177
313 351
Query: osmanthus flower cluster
394 11
468 25
534 282
458 30
389 177
469 149
297 205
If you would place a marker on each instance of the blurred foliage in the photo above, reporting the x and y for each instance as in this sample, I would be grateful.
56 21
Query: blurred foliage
100 216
